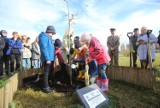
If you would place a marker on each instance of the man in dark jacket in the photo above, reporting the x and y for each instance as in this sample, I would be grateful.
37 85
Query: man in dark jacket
5 58
2 45
158 38
135 47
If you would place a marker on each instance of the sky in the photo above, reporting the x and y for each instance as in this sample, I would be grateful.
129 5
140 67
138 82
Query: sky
30 17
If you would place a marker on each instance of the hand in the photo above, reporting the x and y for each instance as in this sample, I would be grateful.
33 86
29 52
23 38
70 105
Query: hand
38 53
112 49
48 62
10 47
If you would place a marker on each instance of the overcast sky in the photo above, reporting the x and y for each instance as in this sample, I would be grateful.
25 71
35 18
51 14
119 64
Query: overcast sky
30 17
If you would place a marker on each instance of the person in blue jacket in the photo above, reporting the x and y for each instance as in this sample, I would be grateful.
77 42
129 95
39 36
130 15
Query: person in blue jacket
5 58
47 56
15 47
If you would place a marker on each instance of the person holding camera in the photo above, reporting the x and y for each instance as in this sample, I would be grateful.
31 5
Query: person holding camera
142 43
135 47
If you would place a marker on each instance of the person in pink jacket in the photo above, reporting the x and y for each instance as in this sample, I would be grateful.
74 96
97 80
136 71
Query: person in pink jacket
57 45
97 52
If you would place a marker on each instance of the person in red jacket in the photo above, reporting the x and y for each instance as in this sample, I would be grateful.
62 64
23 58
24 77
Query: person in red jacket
97 52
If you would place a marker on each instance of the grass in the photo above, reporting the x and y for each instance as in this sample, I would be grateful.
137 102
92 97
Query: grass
121 94
38 99
4 81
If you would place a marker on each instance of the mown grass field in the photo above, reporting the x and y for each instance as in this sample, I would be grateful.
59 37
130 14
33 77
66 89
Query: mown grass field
121 94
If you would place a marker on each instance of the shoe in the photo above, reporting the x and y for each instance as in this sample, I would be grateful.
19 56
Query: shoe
11 74
83 76
80 74
1 76
98 82
104 86
48 90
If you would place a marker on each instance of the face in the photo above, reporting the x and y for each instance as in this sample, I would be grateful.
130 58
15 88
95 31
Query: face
4 34
50 34
143 30
15 36
113 32
24 37
56 47
84 43
136 32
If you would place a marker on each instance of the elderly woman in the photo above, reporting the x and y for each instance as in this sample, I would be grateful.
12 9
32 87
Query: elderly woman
142 43
97 52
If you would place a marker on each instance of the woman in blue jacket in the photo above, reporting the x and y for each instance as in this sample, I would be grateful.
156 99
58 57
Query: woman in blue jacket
47 56
15 47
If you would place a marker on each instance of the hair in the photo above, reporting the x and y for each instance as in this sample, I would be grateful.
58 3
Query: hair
28 38
85 37
144 28
14 33
36 39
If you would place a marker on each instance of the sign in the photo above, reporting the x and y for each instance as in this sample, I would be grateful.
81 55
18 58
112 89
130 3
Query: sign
92 97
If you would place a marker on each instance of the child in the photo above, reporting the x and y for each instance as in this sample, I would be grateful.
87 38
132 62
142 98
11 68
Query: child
97 52
81 49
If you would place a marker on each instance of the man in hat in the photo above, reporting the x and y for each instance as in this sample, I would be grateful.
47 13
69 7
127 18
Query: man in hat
135 47
5 58
113 44
47 56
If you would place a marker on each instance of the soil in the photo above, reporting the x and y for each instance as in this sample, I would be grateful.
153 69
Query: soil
60 83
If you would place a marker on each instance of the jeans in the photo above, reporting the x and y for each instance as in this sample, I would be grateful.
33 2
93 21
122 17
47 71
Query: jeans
26 63
16 57
48 74
36 64
102 71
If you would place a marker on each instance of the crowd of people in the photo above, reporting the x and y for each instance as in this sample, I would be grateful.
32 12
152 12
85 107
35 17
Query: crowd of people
83 50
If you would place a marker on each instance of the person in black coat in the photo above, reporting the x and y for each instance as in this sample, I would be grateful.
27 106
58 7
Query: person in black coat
2 45
5 58
158 38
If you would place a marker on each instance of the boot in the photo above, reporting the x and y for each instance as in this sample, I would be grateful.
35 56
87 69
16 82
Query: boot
104 86
83 76
98 82
80 74
48 90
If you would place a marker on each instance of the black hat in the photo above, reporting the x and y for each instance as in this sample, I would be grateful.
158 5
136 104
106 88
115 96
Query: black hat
112 29
77 42
136 29
50 29
3 31
57 43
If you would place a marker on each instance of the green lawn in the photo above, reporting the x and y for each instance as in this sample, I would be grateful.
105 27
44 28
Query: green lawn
121 94
125 61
